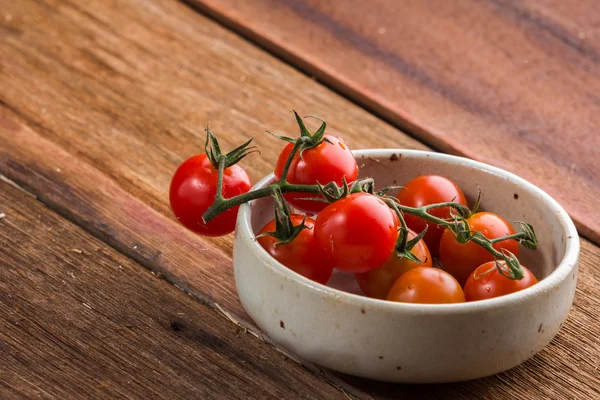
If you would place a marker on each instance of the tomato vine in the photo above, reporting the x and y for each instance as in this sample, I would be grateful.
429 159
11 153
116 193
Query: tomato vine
331 192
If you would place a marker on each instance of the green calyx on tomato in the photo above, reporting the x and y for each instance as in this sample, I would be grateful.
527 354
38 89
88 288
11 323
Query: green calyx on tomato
207 189
427 190
311 159
285 230
302 254
306 140
214 154
404 243
526 236
490 237
197 185
290 239
332 192
490 280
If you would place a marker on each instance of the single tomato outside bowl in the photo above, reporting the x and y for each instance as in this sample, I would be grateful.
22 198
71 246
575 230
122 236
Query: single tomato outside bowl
337 328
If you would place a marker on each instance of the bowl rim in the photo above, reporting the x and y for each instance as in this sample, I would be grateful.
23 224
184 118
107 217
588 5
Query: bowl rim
559 274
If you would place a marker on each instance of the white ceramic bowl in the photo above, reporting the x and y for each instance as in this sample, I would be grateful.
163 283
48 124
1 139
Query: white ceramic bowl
416 343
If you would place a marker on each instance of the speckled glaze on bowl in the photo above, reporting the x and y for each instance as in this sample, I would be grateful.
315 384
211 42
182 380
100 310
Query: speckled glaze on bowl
415 343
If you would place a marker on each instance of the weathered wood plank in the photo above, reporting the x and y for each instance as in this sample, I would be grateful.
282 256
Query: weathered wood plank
570 357
79 320
99 144
110 117
512 84
91 199
115 136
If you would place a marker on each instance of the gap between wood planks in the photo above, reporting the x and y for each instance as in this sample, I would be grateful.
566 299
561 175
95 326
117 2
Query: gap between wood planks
353 94
306 69
247 328
87 310
38 171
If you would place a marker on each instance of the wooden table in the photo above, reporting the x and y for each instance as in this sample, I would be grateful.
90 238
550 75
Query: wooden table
103 294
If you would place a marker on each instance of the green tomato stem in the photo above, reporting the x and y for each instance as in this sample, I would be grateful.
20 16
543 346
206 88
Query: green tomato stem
222 204
515 236
288 162
221 170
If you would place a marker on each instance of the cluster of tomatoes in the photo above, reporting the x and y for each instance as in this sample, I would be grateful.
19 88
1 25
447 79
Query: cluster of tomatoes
468 272
358 233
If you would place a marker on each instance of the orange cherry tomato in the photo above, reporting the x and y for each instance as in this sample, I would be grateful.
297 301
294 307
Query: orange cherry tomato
378 282
486 282
460 260
425 190
426 286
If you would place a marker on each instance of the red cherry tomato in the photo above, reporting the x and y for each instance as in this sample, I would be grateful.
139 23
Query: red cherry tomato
359 231
327 162
462 259
378 282
425 190
303 254
426 286
486 282
193 190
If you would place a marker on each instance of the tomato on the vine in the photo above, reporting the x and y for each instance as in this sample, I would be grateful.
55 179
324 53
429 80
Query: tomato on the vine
193 190
302 254
378 282
461 259
359 232
487 282
426 286
327 162
425 190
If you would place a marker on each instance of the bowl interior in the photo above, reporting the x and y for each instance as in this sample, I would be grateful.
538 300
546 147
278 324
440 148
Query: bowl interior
502 193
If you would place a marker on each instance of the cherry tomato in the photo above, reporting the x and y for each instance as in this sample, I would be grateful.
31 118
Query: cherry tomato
327 162
462 259
486 282
193 190
378 282
359 231
303 254
426 286
425 190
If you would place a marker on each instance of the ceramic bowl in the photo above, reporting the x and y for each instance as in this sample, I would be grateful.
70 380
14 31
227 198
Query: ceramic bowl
337 328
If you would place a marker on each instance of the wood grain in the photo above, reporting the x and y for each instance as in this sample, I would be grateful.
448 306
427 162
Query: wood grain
92 200
513 84
79 320
96 120
570 359
99 103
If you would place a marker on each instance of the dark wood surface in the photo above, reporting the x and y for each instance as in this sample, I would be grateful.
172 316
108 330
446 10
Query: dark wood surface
99 102
115 130
80 320
514 84
85 196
